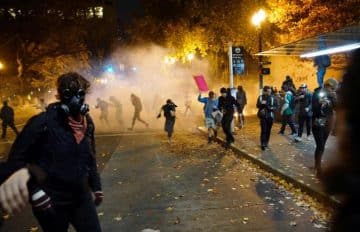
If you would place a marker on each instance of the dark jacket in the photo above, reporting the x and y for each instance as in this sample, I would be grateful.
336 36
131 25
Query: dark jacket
7 114
226 104
323 110
241 98
167 108
47 142
266 110
304 103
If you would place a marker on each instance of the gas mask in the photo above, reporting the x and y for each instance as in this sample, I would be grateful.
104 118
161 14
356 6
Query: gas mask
73 102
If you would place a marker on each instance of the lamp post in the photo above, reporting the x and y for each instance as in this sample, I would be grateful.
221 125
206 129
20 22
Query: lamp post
257 19
2 66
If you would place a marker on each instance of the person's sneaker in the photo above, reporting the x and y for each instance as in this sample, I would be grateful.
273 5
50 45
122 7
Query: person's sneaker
298 139
308 138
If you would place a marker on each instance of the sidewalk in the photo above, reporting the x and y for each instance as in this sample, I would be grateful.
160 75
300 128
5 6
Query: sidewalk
293 161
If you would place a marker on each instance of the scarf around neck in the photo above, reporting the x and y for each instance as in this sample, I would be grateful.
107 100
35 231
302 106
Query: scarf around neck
78 128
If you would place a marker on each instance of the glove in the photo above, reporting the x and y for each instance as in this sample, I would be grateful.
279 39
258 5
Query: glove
98 197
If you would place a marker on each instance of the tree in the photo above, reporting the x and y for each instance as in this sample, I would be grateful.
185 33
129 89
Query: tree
305 18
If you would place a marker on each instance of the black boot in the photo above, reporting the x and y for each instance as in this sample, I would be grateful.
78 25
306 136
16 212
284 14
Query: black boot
209 140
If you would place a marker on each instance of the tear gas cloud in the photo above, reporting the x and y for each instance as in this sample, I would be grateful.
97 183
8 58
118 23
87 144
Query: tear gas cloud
151 79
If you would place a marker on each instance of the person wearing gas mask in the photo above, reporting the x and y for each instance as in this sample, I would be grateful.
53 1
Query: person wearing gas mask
323 104
303 98
267 105
54 156
226 106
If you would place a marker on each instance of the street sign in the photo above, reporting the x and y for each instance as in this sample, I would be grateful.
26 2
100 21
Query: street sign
238 61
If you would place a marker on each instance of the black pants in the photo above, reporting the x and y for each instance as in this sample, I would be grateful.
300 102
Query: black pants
82 216
266 125
307 120
321 134
4 127
287 119
226 125
241 115
169 126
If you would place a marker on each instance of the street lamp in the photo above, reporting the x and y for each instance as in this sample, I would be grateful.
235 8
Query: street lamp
1 66
190 56
257 19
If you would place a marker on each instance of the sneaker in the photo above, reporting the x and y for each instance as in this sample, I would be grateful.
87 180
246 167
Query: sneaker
298 139
308 138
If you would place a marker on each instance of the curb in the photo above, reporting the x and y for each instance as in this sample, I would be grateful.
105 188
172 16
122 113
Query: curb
319 195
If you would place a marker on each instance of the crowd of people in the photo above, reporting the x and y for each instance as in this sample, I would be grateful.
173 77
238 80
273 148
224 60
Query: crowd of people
64 133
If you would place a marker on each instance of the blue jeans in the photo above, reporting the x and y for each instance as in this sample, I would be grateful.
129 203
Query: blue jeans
320 75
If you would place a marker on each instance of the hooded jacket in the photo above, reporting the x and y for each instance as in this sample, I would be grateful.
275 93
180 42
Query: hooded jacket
68 169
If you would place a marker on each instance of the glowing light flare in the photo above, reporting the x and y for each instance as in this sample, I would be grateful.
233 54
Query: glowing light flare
2 66
190 56
258 17
333 50
169 60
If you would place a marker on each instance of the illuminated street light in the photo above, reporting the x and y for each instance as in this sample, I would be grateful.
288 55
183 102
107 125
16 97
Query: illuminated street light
169 60
1 66
258 18
190 56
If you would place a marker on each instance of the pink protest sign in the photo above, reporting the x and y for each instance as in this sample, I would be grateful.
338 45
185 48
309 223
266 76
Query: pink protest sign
201 83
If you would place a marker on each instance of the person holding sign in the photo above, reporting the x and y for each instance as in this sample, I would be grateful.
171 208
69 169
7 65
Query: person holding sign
210 105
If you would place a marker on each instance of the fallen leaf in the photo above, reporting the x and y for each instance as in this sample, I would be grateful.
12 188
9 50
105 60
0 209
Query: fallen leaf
177 221
34 229
169 209
293 223
118 218
101 214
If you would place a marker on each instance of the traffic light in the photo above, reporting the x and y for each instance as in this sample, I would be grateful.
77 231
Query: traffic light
265 71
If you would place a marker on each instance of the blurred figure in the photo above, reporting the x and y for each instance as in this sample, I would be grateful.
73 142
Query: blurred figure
323 104
304 99
242 101
267 105
7 117
104 110
289 83
187 105
343 176
135 100
226 106
287 111
118 110
169 114
53 162
322 62
210 105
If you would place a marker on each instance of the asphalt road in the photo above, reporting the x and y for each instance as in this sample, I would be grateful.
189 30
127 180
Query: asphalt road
188 186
